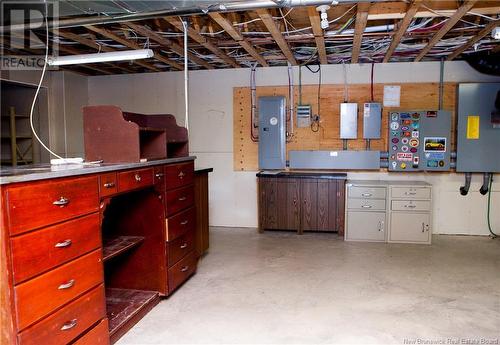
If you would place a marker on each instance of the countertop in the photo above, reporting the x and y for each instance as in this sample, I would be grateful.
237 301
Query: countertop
47 171
302 174
200 170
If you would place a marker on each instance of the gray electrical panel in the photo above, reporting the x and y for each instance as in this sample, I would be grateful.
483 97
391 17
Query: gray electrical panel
348 120
478 130
303 115
372 117
272 117
419 140
360 160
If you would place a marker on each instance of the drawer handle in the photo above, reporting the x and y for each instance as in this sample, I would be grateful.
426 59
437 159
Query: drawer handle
109 185
67 285
63 244
411 206
182 198
423 227
410 193
138 177
366 206
181 175
184 269
159 175
61 202
184 246
69 325
184 222
366 194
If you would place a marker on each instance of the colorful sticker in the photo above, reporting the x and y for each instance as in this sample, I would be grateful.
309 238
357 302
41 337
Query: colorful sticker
432 114
402 156
414 134
435 144
394 116
404 148
414 142
434 155
394 125
405 141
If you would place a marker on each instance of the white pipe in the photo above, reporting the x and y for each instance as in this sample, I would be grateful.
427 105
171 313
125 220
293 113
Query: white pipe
186 79
290 90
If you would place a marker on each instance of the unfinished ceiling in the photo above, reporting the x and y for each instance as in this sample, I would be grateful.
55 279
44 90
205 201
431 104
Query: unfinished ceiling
266 33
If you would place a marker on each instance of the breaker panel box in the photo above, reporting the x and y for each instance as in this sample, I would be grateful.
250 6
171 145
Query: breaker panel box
272 136
478 129
372 117
348 120
419 140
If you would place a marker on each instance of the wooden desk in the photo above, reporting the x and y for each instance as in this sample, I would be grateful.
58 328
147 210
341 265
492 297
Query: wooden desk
86 253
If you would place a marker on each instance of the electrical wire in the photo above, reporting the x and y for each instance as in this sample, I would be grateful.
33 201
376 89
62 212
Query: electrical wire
494 235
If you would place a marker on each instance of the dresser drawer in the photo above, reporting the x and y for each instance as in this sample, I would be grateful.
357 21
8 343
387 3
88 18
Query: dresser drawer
134 179
98 335
41 295
41 250
179 199
108 184
411 192
366 204
410 205
179 175
43 203
178 248
366 192
69 322
181 271
180 224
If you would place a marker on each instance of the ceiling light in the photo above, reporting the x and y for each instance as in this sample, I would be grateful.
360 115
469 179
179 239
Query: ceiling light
324 16
135 54
496 33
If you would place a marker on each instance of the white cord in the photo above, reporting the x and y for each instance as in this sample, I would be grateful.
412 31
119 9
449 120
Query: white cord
40 85
186 96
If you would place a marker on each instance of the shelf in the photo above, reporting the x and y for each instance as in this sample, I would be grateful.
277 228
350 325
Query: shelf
126 307
113 247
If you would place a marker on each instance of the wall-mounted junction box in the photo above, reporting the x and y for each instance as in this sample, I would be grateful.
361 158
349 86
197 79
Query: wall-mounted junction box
372 118
303 115
272 123
348 120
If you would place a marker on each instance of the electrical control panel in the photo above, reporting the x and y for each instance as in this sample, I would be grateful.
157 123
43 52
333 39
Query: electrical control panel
419 140
303 115
372 118
272 119
348 120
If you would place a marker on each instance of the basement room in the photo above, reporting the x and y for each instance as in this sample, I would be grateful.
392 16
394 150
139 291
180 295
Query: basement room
250 172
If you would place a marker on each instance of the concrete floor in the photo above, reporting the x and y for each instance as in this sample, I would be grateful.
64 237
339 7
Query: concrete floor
278 287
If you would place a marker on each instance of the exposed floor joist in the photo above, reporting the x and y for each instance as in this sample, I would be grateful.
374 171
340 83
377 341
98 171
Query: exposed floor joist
361 20
318 34
268 21
107 33
193 34
226 25
168 44
402 27
450 23
480 35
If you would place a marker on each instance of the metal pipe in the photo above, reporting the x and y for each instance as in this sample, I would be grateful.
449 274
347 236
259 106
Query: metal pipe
186 77
291 100
486 181
464 190
188 11
384 164
441 83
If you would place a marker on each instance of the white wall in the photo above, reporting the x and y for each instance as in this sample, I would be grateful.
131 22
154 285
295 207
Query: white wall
233 195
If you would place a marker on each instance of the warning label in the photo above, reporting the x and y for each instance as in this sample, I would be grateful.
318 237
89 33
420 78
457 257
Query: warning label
404 156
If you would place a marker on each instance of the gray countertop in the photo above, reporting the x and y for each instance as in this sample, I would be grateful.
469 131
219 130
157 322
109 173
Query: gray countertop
47 171
321 174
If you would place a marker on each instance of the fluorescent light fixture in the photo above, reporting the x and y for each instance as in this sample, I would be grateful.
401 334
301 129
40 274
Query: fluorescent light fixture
101 57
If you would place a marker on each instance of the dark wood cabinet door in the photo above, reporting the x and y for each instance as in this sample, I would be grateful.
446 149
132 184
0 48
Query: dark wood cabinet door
339 198
268 203
288 204
309 197
324 209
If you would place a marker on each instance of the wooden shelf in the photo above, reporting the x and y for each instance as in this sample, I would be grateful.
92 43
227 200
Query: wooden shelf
126 307
113 247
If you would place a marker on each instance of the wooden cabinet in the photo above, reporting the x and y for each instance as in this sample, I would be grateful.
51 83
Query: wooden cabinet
292 202
201 207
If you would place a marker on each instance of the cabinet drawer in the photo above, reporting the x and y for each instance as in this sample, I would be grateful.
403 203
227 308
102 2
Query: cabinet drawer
367 192
43 203
99 335
180 224
41 250
69 322
134 179
411 192
179 175
178 248
410 205
41 295
366 204
179 199
107 184
181 271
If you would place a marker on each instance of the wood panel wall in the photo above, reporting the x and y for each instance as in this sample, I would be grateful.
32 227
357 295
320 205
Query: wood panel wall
414 96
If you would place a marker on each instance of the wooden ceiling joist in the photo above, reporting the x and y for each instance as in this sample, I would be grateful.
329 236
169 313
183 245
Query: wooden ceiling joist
402 27
167 43
107 33
195 35
318 34
473 40
275 32
238 37
450 23
359 29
